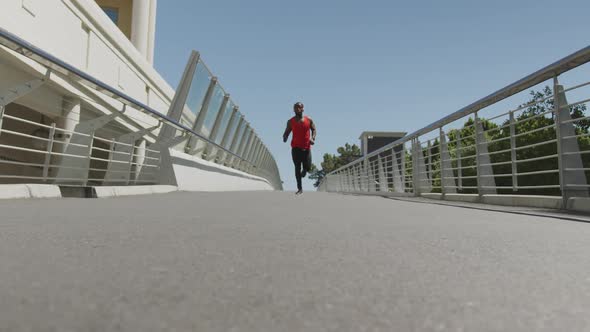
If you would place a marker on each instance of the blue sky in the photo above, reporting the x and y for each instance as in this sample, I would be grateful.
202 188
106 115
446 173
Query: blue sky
363 65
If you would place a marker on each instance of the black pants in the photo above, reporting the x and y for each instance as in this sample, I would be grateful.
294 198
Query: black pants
301 157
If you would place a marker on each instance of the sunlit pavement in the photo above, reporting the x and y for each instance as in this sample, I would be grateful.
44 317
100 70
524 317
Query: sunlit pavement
273 261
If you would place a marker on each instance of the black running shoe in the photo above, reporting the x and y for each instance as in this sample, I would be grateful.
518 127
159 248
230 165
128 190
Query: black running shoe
304 173
299 192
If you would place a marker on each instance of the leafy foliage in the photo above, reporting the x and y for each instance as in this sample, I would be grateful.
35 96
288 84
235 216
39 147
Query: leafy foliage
346 154
534 125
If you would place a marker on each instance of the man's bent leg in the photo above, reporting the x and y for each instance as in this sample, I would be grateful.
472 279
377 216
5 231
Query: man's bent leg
306 162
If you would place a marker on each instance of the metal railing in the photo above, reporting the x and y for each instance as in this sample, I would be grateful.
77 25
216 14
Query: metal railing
102 136
541 147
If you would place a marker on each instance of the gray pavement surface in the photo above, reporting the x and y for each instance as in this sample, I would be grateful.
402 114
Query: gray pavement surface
273 261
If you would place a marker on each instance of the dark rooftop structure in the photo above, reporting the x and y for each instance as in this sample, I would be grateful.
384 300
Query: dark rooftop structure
373 140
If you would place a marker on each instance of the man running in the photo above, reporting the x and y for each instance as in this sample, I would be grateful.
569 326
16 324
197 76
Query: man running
301 142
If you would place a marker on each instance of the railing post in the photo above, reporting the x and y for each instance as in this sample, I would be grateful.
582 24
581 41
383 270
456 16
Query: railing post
441 163
381 172
227 159
415 169
477 160
372 178
1 116
198 125
486 183
345 182
139 159
357 176
458 154
177 105
259 155
347 172
403 168
130 161
448 176
225 139
256 156
213 134
513 152
361 177
264 163
352 173
248 132
252 155
556 112
366 174
89 157
571 167
49 149
246 152
111 150
429 166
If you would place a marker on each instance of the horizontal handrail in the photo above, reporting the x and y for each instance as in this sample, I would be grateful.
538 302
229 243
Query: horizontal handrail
563 65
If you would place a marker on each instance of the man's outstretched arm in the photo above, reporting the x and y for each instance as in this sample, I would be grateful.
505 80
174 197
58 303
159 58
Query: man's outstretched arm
287 131
313 131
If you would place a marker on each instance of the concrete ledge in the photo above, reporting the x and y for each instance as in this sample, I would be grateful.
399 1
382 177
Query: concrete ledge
436 196
196 174
376 193
579 204
547 202
14 191
471 198
115 191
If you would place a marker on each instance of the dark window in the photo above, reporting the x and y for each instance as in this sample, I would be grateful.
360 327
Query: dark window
112 13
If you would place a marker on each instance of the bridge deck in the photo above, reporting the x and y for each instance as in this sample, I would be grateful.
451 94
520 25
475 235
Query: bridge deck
262 261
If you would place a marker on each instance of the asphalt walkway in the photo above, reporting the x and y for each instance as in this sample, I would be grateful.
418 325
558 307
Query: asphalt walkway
273 261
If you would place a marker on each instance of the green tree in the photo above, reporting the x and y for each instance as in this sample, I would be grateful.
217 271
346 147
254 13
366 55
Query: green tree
346 154
533 125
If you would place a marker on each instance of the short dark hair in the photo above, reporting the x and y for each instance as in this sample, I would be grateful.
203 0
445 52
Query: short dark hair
298 104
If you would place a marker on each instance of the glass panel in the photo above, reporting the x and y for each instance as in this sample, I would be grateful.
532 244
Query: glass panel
197 91
232 130
238 134
112 13
252 147
244 147
224 122
212 110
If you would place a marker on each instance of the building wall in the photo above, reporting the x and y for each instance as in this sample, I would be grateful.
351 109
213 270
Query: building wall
79 33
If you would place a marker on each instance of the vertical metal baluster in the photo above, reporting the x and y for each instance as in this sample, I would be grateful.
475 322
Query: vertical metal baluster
477 161
513 152
560 161
429 173
2 107
131 155
89 157
49 149
441 163
458 155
